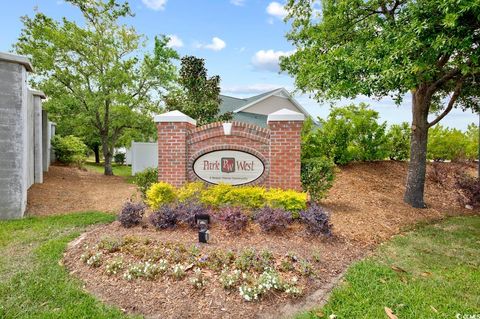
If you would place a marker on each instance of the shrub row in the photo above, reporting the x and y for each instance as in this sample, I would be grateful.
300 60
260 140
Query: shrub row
217 196
354 133
235 219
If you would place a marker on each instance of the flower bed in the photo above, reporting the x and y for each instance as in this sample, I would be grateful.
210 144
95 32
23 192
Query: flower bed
167 273
252 273
266 245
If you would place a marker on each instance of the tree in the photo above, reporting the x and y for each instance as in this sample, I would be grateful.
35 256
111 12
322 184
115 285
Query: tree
96 72
390 47
197 96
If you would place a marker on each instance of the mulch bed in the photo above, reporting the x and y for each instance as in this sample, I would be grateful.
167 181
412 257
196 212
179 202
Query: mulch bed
366 206
69 189
167 298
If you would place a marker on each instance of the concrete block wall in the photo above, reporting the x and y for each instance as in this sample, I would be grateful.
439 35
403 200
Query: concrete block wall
20 128
13 135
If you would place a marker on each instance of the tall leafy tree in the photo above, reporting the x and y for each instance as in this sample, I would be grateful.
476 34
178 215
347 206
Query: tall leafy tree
96 73
377 48
198 95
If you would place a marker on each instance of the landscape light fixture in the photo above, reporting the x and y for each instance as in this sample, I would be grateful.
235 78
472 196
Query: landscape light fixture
203 220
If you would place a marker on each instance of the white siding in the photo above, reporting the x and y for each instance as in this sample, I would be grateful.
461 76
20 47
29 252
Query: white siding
272 104
143 155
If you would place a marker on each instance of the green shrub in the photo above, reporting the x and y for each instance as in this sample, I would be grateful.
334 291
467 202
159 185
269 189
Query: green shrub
446 144
253 197
350 133
119 158
472 142
190 192
317 176
145 179
214 195
250 197
217 196
69 149
399 141
288 200
160 194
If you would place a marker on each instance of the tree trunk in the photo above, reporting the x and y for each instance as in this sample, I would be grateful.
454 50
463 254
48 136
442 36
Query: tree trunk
96 151
107 156
418 148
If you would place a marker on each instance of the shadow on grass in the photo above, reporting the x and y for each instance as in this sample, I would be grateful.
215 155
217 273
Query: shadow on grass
430 272
35 285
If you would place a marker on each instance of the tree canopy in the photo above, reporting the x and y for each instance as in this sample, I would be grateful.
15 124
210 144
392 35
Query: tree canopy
96 74
197 95
384 48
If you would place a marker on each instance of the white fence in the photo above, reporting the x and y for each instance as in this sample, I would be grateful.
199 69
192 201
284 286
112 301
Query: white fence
142 156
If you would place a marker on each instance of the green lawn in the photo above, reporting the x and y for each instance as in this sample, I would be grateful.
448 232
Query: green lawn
32 283
118 170
432 272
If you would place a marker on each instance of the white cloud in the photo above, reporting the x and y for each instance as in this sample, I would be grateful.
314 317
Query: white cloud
251 88
268 59
217 44
155 4
238 3
174 42
276 9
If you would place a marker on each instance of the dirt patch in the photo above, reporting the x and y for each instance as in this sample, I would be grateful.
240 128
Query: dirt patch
68 189
168 298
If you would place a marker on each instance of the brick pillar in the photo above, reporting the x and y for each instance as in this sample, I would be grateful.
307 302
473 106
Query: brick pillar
285 129
173 130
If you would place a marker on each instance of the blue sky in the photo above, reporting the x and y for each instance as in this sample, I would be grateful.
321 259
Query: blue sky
240 40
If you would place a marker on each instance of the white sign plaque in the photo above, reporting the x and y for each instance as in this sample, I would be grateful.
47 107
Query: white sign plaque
228 167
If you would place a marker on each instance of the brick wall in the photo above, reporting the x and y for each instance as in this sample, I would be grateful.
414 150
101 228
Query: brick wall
278 147
244 137
172 145
285 163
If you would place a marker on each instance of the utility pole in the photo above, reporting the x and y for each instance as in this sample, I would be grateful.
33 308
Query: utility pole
478 144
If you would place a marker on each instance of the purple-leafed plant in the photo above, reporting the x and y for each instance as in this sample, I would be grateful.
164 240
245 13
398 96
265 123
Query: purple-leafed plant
234 219
273 219
317 220
187 211
469 186
131 214
165 217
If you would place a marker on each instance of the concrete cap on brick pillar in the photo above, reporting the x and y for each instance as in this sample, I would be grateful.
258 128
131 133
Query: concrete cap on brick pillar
174 116
14 58
285 115
37 93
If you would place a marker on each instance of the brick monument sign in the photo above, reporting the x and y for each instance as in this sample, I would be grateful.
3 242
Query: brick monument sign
232 153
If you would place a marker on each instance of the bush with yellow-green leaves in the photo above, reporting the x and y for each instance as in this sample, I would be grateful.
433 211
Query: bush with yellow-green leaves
249 198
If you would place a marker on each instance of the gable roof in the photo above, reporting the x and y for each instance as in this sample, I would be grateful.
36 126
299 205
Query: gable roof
235 105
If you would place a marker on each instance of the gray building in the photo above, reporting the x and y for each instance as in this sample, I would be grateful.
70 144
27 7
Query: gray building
25 134
255 109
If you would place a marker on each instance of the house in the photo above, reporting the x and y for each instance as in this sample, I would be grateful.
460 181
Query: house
255 109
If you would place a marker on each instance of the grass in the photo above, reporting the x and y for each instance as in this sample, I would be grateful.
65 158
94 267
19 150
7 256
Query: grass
432 272
118 170
32 283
